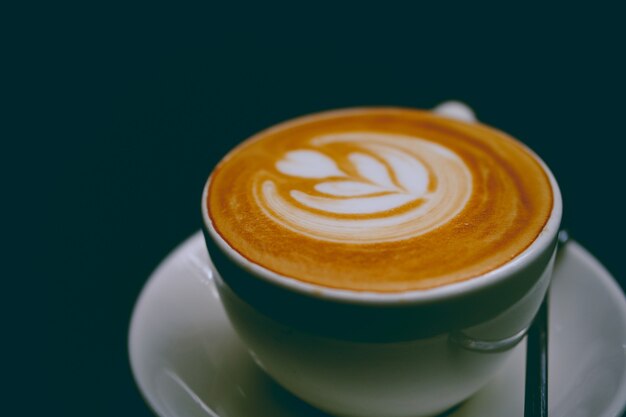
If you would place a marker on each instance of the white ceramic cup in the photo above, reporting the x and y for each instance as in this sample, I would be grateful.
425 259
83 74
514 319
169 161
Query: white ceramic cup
414 353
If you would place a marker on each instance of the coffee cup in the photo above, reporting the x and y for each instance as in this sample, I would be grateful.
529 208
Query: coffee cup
381 341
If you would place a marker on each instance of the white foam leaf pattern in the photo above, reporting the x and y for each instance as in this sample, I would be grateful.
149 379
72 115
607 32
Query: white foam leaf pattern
372 169
372 192
348 188
392 171
308 164
364 205
409 172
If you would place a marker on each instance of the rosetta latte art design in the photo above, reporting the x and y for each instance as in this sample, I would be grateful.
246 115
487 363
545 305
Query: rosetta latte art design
379 199
397 187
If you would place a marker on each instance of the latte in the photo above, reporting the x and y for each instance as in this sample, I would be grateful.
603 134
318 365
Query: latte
379 199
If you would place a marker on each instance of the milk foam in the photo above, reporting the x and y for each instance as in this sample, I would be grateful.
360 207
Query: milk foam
379 199
399 187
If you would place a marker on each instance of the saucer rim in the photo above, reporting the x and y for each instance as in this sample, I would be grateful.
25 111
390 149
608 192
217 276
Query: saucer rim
616 293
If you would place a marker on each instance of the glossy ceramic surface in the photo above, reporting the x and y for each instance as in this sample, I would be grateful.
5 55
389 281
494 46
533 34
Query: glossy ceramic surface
188 361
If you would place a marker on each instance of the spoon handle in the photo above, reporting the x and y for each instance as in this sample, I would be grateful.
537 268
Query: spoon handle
536 400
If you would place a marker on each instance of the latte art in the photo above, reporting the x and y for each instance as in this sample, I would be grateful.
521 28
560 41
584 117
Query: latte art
396 187
379 199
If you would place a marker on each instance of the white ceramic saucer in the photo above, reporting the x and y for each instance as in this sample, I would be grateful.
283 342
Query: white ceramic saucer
188 362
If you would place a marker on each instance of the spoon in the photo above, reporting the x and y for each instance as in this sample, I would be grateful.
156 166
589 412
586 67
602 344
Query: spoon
536 397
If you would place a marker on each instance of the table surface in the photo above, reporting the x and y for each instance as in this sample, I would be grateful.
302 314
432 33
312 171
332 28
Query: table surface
138 102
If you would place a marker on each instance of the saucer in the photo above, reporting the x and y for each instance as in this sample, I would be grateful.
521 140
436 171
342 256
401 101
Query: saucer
188 361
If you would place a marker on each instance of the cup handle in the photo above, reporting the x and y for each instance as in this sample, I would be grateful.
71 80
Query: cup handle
456 110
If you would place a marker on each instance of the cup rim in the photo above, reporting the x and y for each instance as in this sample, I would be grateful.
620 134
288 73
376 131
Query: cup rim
539 245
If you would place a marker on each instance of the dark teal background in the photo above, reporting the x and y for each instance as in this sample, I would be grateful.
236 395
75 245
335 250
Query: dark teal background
123 109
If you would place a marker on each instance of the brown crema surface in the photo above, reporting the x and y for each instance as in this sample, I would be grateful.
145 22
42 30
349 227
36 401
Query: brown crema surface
507 206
